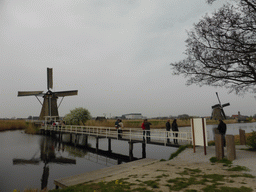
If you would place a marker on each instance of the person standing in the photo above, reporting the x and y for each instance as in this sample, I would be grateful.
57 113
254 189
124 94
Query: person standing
168 128
143 129
175 128
117 126
222 127
147 129
120 129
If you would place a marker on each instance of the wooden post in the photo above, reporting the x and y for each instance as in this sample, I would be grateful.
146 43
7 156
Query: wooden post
86 141
131 150
97 144
193 134
143 150
231 150
242 137
109 145
204 136
219 148
70 141
75 140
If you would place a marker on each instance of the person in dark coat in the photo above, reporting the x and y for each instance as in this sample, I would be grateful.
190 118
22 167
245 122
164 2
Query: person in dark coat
175 128
117 126
147 129
222 127
168 128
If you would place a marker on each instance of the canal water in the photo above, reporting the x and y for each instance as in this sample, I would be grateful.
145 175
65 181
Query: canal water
34 161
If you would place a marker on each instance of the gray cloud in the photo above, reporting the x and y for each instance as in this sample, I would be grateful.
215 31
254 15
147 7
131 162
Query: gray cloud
116 53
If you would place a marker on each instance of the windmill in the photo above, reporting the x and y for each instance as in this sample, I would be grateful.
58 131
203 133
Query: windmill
49 105
217 110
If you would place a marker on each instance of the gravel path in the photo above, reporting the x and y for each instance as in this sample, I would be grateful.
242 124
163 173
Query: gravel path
243 157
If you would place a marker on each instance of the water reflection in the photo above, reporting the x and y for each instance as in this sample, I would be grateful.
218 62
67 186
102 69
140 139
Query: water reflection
51 151
48 154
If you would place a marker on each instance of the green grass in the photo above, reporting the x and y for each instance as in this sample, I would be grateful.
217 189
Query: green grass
238 168
225 161
151 183
193 177
181 148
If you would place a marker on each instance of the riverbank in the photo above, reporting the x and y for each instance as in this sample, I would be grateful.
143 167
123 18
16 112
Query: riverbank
188 171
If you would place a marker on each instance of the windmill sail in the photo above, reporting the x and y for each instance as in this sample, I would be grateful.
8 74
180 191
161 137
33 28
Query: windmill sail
29 93
49 78
49 106
66 93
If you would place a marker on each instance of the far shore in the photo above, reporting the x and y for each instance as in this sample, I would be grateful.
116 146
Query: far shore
156 123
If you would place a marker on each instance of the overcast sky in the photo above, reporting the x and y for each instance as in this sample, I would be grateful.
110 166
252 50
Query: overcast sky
116 53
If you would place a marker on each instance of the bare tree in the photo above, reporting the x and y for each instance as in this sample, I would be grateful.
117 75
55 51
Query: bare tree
221 49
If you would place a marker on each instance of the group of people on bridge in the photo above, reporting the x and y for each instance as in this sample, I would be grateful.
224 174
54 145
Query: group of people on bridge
146 129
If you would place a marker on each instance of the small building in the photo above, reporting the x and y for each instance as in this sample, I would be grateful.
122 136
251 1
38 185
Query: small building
239 117
100 118
132 116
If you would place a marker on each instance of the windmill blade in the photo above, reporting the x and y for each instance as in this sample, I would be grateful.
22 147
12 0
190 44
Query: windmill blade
218 97
216 106
29 93
49 78
226 104
66 93
26 161
223 113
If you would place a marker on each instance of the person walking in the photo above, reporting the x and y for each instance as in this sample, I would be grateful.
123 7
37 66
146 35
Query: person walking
147 129
168 128
222 127
175 128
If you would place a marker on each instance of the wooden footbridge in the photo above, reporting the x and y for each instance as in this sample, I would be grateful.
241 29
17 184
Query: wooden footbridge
131 135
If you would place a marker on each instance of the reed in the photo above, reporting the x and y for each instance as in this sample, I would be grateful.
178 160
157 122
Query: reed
29 127
12 125
156 123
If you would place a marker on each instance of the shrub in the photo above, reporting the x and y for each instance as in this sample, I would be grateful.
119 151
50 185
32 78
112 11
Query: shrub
251 140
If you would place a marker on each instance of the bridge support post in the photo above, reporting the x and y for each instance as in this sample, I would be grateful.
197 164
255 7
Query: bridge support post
109 145
131 150
60 136
76 139
86 141
97 144
143 150
70 138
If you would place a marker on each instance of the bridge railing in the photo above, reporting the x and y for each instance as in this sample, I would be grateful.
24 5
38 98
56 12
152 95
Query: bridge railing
157 135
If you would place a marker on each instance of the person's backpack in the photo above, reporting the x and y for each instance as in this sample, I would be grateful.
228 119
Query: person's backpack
117 124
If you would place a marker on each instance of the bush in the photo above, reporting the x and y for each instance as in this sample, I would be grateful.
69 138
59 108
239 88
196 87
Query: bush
251 140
